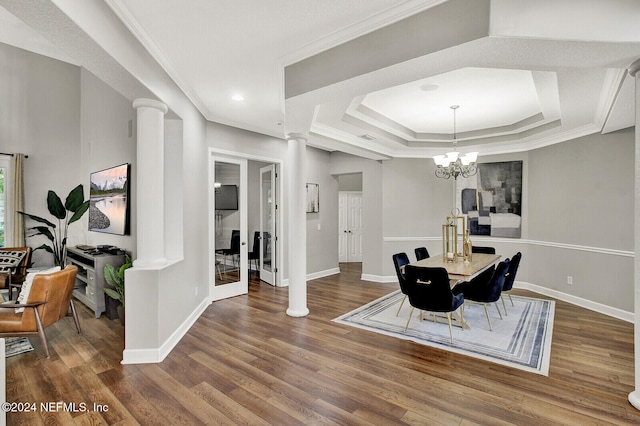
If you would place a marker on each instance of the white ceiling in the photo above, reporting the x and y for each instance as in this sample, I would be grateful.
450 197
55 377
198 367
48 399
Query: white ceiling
525 74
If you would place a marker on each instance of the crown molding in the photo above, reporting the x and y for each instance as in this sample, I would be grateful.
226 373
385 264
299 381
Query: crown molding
123 13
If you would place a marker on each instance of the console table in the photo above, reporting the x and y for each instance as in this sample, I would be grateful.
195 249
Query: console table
90 282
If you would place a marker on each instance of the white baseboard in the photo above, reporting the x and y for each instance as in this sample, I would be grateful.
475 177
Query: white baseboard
322 274
574 300
155 355
315 275
379 278
578 301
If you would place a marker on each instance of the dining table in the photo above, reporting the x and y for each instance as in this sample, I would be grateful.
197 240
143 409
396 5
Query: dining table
459 269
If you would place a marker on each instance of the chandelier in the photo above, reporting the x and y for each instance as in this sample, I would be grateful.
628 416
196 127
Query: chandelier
454 164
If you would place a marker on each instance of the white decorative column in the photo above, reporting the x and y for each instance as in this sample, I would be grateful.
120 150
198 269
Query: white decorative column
150 182
634 397
297 236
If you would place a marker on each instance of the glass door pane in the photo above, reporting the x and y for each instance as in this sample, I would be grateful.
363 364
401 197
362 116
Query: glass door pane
268 224
230 260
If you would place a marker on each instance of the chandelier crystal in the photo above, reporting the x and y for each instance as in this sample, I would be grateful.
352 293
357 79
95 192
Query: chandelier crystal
453 163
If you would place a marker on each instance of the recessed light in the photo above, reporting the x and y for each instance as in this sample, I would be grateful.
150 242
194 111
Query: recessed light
237 97
429 87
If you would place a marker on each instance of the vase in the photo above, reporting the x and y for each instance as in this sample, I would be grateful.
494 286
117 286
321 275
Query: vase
467 248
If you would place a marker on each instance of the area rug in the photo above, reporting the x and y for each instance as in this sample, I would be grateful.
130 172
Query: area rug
16 345
522 339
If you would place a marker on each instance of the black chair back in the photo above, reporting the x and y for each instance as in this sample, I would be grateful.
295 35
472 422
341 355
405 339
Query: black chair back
255 252
234 248
421 253
428 289
511 274
487 286
399 261
480 249
496 283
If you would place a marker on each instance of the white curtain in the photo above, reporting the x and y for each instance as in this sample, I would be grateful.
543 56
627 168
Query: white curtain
17 202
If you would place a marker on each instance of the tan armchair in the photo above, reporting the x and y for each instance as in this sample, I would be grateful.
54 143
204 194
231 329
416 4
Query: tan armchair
48 302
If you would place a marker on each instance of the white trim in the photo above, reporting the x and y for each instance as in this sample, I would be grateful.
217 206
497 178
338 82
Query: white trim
358 29
322 274
156 355
578 301
569 298
518 241
379 278
314 276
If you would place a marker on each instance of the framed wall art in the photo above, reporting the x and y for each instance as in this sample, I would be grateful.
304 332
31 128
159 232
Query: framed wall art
313 198
492 199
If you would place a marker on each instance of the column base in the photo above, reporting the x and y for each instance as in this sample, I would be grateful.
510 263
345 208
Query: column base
634 399
298 312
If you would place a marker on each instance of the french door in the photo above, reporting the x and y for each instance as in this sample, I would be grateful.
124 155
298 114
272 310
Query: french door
228 254
268 221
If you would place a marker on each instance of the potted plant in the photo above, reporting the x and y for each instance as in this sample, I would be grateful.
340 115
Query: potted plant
115 278
72 210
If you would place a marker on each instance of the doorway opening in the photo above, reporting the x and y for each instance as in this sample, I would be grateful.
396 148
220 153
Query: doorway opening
350 218
244 223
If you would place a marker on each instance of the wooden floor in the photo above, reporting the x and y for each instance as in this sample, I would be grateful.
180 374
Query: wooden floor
246 362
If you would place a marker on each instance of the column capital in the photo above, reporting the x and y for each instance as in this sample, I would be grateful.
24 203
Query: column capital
297 136
634 68
150 103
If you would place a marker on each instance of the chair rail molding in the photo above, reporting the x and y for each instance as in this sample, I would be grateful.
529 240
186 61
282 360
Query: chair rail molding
520 241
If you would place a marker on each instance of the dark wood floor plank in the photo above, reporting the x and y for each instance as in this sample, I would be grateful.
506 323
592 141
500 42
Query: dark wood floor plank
246 362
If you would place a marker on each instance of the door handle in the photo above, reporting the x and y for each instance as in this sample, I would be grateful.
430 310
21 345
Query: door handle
244 243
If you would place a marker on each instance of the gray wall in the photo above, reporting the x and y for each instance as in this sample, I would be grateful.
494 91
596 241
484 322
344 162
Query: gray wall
69 123
350 182
105 142
577 217
372 182
586 206
322 227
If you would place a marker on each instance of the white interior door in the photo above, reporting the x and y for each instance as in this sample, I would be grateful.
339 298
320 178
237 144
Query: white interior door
342 227
268 221
228 254
350 212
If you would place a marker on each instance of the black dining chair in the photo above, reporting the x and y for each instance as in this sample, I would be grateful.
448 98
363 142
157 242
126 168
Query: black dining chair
234 248
510 278
428 289
400 260
421 253
480 249
485 288
254 254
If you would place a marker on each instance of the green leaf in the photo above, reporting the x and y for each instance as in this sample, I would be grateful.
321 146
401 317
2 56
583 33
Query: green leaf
113 294
44 247
55 205
38 219
75 199
43 230
111 276
79 211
